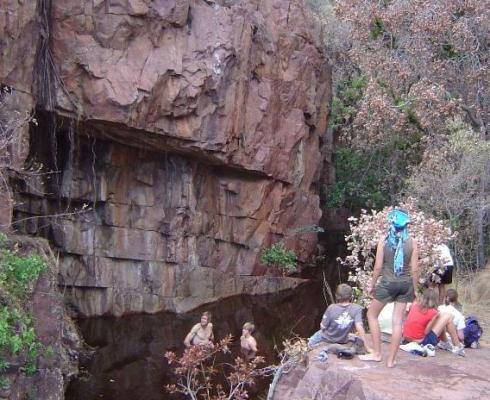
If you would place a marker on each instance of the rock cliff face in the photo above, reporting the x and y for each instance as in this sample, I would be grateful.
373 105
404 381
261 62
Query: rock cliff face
191 128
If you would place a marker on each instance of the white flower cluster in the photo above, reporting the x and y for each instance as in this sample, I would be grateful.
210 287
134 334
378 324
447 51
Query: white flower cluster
370 227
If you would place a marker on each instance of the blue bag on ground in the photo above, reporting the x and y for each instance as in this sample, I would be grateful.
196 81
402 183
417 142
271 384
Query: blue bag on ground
472 331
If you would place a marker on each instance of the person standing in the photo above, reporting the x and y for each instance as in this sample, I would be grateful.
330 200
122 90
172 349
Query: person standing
446 277
397 264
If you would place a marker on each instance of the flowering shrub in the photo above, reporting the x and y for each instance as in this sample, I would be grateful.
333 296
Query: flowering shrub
369 228
196 372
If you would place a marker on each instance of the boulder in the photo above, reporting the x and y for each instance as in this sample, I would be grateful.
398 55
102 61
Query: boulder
443 377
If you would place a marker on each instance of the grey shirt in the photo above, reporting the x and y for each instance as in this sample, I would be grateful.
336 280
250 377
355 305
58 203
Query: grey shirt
339 320
387 271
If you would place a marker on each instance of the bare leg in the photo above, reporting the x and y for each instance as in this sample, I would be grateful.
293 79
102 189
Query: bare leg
445 321
441 322
396 337
372 316
442 293
451 328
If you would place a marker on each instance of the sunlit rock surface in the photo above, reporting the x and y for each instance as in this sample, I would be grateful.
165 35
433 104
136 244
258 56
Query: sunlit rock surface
443 377
192 129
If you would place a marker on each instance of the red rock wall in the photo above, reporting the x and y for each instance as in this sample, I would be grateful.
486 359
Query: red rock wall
207 117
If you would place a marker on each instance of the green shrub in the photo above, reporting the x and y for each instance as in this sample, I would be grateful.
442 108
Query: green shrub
18 273
3 365
4 383
279 257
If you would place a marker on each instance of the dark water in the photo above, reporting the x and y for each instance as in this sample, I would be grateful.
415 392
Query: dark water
129 361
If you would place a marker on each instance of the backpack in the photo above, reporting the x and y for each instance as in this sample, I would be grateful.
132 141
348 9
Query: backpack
472 331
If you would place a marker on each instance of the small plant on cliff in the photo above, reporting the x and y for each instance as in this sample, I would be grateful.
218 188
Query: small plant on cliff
17 335
277 256
196 373
369 228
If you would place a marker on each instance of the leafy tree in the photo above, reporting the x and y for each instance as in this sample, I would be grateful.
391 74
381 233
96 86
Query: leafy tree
449 183
423 61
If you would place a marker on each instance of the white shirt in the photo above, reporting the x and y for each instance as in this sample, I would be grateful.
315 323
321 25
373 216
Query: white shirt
445 255
458 318
385 318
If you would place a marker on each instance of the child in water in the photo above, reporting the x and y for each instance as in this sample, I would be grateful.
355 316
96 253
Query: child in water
248 343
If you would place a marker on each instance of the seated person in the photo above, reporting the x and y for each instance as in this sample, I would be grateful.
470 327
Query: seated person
248 343
338 321
424 324
453 307
385 320
452 299
201 334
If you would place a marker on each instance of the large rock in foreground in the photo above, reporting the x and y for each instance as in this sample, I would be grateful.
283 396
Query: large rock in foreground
443 377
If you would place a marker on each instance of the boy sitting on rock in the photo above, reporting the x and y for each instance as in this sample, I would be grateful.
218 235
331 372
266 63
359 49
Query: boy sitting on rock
338 321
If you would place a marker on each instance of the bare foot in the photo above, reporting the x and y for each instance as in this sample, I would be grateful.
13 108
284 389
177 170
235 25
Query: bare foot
390 364
370 357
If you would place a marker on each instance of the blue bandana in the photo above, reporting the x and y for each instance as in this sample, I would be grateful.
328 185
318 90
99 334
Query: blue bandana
397 235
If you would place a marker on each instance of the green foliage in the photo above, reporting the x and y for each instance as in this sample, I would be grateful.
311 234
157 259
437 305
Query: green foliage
356 184
377 28
16 272
4 383
373 177
448 51
344 104
3 365
457 171
278 256
17 275
305 229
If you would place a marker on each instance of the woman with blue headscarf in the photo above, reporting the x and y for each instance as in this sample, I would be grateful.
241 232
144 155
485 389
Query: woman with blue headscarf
397 264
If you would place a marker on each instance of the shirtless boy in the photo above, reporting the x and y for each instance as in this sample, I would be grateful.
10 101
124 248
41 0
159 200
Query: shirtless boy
247 341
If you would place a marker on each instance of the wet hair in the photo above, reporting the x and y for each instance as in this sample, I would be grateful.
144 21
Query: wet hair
206 314
429 299
249 327
343 293
452 297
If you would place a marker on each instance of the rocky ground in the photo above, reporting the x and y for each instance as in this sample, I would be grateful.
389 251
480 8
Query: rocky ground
444 376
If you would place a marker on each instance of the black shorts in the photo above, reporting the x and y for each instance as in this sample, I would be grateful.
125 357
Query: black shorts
447 276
